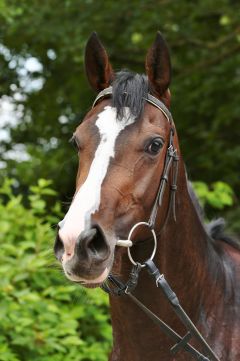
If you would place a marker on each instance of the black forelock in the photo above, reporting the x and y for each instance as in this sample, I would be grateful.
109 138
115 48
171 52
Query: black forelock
129 90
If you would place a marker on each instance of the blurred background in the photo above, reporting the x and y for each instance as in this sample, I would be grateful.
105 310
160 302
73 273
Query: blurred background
44 96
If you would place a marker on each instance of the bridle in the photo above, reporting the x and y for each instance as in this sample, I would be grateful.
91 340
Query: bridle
119 288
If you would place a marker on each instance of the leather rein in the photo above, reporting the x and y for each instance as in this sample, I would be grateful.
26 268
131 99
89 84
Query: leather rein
119 288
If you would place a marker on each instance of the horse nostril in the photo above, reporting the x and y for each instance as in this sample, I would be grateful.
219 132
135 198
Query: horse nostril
94 243
58 247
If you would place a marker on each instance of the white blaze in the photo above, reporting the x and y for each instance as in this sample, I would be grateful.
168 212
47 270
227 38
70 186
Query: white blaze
87 200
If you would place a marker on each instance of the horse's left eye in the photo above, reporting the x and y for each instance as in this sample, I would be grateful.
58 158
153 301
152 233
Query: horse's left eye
155 146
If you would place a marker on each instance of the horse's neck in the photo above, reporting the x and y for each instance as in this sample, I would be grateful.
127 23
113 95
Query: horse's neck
183 256
195 271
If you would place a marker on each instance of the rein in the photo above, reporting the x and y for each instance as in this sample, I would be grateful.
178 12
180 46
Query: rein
182 342
119 288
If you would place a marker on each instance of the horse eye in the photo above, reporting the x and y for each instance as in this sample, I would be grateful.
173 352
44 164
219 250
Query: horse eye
155 146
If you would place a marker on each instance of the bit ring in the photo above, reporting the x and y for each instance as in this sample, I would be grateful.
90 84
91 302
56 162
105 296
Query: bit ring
154 238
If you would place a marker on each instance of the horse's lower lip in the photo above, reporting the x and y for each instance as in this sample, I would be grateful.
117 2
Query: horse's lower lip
90 285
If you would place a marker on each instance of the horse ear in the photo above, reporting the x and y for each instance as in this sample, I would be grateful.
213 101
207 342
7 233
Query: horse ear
158 66
98 68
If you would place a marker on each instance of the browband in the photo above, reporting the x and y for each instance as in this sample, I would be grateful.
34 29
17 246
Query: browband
150 99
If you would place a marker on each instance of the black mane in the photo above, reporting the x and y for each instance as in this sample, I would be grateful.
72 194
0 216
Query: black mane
129 90
216 228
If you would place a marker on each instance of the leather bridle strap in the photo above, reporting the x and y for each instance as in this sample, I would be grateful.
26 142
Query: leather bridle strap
182 342
104 93
161 106
150 99
171 162
170 332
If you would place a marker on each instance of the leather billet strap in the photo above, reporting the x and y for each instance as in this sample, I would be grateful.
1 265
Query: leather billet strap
150 99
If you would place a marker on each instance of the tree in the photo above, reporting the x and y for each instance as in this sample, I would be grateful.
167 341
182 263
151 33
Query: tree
204 38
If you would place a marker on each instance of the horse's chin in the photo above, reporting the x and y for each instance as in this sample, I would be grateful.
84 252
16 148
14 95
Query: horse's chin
89 283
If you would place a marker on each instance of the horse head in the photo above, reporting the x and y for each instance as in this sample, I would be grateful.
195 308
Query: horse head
122 145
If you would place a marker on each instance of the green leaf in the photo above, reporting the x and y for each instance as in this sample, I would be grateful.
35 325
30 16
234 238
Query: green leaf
136 38
225 20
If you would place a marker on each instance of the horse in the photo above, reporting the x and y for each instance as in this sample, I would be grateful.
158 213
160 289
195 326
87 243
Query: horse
123 146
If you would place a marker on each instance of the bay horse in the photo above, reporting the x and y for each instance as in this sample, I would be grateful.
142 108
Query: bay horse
123 144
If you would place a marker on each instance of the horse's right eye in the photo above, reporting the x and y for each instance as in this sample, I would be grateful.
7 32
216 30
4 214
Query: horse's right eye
155 146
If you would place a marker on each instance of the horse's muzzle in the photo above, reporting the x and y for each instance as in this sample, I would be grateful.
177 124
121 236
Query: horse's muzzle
90 258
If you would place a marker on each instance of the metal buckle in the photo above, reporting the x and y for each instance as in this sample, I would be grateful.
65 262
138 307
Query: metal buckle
159 278
171 150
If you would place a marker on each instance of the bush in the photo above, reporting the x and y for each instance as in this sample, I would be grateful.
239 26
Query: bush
218 196
43 316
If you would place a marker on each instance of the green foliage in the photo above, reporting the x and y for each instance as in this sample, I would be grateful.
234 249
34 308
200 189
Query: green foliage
233 216
204 38
43 316
218 195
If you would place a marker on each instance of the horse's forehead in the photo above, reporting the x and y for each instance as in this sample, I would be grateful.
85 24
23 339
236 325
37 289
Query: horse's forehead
106 123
